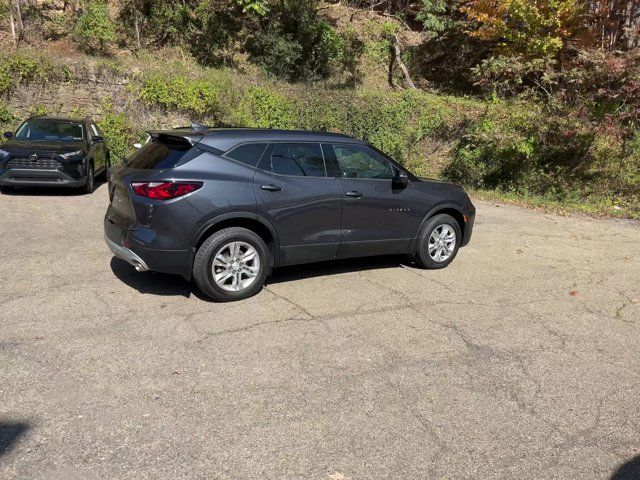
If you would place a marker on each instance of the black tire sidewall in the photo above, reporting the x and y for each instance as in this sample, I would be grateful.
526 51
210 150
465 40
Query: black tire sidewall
90 183
422 255
202 271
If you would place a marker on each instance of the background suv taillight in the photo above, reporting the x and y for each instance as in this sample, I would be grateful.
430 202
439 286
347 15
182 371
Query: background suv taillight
164 190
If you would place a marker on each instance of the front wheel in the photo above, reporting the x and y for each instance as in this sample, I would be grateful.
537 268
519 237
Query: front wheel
438 242
89 185
231 265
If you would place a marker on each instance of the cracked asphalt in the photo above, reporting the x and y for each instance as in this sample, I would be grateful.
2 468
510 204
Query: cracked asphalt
519 361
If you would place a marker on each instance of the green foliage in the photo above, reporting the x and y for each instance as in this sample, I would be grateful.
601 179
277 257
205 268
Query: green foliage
432 16
199 97
37 110
118 133
255 7
6 116
95 30
295 44
23 69
269 109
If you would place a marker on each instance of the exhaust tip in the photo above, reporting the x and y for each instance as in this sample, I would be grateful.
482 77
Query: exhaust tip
137 266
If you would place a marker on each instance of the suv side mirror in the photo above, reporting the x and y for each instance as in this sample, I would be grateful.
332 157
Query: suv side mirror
401 179
96 139
7 134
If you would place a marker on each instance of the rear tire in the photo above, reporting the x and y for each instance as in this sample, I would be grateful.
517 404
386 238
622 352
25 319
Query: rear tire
242 261
438 242
90 184
6 190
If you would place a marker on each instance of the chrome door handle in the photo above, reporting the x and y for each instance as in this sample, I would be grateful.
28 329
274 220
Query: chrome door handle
353 194
271 188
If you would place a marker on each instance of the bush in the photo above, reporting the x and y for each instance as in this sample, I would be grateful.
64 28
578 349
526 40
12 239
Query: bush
118 133
95 30
199 97
23 69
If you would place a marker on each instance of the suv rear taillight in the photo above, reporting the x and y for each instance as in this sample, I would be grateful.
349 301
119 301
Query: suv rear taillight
164 190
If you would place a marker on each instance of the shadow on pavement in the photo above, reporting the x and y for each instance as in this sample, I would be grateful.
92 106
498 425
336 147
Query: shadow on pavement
10 432
629 470
154 283
336 267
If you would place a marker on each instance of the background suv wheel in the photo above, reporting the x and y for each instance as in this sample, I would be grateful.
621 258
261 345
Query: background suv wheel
232 264
438 242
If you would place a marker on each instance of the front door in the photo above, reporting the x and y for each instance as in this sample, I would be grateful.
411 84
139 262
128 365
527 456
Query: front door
377 217
295 195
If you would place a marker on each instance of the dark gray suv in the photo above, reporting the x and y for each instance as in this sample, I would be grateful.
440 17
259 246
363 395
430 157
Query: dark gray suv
225 206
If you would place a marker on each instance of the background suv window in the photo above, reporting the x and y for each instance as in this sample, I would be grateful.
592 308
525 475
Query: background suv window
248 154
354 161
298 159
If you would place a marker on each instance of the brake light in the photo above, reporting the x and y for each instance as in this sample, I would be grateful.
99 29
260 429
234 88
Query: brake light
164 190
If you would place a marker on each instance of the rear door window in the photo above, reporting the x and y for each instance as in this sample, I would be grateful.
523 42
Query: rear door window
160 152
298 159
249 154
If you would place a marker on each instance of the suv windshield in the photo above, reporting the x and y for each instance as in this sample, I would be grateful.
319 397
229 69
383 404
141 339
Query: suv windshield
44 129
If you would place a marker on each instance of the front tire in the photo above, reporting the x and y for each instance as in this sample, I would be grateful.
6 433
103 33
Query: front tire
438 242
231 265
90 184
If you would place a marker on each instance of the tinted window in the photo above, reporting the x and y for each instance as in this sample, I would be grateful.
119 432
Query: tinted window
249 154
354 161
159 153
299 159
44 129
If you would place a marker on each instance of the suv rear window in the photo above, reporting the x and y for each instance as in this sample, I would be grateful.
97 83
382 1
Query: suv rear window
161 152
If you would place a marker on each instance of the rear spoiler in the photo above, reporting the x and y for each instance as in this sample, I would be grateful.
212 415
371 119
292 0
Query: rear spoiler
186 135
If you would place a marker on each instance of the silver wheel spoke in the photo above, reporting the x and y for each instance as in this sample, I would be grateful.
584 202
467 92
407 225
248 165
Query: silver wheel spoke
442 243
235 266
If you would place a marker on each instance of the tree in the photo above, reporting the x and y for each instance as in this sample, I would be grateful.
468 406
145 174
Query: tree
535 28
95 30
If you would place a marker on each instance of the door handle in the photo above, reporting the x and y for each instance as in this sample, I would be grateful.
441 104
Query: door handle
353 194
271 188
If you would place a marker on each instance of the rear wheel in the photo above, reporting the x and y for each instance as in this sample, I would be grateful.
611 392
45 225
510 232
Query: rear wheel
438 242
231 265
90 184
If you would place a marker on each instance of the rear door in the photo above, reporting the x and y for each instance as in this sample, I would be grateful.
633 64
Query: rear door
377 217
295 195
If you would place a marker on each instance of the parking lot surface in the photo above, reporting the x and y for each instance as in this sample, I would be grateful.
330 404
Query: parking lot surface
521 360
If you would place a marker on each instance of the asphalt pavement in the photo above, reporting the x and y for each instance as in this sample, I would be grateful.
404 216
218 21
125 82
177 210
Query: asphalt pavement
521 360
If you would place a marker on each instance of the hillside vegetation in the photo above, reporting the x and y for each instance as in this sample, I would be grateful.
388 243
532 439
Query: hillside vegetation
531 101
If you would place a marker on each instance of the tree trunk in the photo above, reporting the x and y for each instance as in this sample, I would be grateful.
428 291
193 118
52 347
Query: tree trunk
398 58
19 15
13 26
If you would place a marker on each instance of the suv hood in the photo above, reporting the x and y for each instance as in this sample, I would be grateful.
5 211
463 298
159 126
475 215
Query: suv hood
14 146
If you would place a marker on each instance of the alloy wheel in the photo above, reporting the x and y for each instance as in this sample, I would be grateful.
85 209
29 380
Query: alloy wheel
235 266
442 243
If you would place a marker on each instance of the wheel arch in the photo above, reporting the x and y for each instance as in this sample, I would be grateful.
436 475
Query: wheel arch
247 220
450 209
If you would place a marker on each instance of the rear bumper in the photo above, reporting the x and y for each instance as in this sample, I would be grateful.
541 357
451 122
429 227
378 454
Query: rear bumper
127 255
39 177
125 245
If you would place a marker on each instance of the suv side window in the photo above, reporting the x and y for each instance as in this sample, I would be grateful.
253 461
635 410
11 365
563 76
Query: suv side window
298 159
249 154
356 161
